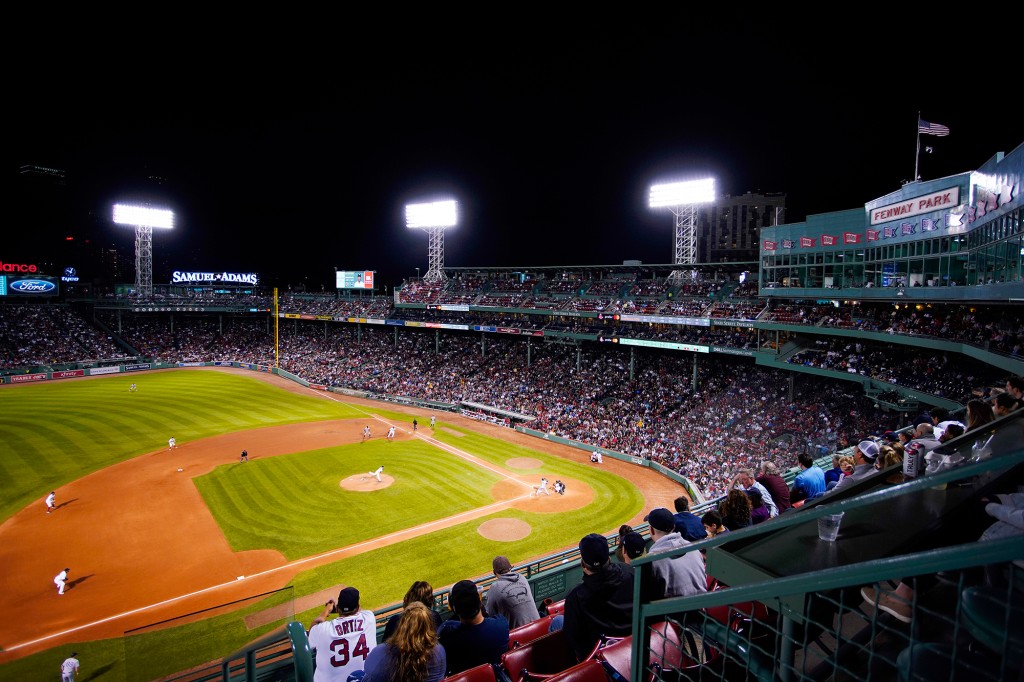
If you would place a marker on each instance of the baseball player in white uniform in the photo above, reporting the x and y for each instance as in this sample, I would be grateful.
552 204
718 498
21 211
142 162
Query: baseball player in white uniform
391 433
69 668
366 432
133 388
542 488
172 443
433 420
376 474
61 580
51 502
342 644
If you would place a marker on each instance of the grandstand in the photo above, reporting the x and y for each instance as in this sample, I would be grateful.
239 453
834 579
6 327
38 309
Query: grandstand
840 342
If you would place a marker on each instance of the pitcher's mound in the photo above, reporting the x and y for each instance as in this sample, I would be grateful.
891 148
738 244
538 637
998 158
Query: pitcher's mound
363 484
505 530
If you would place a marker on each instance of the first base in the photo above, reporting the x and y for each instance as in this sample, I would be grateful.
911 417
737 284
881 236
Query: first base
180 469
241 577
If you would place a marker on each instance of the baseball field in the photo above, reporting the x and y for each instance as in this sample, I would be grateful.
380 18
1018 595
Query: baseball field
152 533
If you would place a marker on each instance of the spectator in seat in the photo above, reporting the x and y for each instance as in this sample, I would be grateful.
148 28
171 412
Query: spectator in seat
633 546
810 482
712 521
510 595
758 512
979 413
1015 387
772 480
412 653
864 458
421 592
735 510
688 524
744 480
678 576
624 529
601 605
470 639
1003 404
832 476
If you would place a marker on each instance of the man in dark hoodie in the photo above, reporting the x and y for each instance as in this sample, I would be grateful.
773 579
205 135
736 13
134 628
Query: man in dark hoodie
510 595
603 603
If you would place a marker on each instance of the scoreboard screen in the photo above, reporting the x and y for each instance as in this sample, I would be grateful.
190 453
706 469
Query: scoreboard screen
354 279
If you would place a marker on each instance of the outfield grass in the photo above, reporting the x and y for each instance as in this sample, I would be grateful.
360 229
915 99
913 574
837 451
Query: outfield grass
55 432
296 498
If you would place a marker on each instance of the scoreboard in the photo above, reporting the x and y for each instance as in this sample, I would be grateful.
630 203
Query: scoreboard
354 279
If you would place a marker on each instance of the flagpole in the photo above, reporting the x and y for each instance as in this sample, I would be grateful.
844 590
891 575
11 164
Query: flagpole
917 157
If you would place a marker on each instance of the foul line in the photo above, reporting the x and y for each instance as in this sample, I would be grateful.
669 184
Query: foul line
269 571
433 441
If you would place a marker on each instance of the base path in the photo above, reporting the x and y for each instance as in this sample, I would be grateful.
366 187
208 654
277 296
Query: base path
142 545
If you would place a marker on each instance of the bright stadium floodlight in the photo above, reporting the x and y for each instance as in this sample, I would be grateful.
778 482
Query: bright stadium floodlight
143 219
682 198
433 217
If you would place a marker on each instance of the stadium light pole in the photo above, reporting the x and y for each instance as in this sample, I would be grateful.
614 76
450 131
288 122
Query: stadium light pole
683 198
143 219
433 217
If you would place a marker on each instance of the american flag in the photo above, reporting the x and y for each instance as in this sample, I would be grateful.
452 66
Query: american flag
931 128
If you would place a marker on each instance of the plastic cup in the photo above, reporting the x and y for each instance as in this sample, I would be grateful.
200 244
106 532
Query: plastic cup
828 527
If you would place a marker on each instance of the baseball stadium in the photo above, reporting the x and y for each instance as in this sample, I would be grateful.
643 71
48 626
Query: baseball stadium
222 472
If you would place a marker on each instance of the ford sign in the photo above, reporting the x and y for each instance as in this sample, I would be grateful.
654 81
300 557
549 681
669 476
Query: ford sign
32 286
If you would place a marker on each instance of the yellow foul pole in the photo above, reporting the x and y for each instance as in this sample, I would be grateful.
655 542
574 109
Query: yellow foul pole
276 350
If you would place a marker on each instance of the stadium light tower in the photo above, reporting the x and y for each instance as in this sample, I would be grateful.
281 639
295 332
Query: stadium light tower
143 219
434 218
683 198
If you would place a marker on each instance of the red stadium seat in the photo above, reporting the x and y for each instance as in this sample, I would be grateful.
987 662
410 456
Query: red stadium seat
587 671
540 659
524 634
669 651
554 608
481 673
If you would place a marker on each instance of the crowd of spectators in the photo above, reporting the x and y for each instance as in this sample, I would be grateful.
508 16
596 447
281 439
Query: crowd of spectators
935 373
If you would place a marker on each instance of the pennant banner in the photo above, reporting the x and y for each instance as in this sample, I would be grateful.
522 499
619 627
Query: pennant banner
828 240
851 238
806 242
769 246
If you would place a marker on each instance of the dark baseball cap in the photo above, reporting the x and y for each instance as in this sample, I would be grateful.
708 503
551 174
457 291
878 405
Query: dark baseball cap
662 519
634 544
501 564
348 600
594 550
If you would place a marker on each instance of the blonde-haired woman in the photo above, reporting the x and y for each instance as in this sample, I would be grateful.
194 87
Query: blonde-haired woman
412 654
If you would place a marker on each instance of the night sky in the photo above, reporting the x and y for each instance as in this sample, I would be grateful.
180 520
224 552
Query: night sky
292 152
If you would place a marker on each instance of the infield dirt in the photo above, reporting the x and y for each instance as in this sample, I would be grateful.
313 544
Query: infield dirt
168 555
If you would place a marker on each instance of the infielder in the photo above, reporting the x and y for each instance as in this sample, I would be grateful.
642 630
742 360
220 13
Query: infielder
171 443
50 502
433 420
542 488
366 432
376 474
61 580
244 457
69 668
391 433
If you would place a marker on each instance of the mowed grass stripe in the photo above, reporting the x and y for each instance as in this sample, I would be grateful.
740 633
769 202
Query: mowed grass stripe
303 510
56 432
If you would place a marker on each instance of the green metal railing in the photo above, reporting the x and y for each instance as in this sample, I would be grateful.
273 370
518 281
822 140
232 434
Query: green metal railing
793 607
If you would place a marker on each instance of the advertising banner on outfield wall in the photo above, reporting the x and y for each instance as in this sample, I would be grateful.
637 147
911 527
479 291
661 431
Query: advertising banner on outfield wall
24 378
104 370
67 374
31 286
